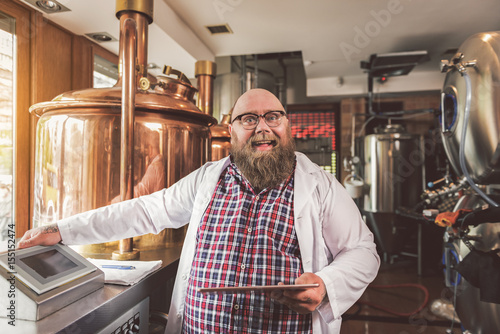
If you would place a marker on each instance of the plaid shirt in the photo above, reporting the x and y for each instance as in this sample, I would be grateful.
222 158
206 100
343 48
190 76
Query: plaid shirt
244 239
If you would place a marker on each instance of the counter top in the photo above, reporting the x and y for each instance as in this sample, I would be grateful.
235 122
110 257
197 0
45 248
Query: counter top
96 310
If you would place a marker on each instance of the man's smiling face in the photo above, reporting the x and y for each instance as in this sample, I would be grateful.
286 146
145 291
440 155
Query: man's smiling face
263 138
265 155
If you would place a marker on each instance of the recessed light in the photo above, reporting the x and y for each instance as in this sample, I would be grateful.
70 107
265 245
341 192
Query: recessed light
48 6
101 37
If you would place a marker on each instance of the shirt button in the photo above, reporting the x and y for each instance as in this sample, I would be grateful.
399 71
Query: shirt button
243 266
249 229
184 277
236 307
257 197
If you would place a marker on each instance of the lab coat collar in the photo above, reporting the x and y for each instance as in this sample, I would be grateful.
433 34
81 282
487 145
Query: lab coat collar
305 182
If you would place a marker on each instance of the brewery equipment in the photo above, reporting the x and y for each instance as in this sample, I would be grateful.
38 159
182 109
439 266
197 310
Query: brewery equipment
221 139
393 171
98 146
470 124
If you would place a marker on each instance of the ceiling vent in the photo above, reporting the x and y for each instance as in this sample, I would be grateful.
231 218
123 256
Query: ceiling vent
220 29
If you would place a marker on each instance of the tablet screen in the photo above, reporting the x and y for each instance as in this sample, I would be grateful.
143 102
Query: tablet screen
49 263
234 289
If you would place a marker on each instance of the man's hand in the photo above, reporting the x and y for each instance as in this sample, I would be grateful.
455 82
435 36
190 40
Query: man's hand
302 301
44 236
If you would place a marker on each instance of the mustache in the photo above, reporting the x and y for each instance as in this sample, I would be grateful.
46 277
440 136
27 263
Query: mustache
259 137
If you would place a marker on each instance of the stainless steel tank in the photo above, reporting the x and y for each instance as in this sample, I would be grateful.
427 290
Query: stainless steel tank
480 53
393 171
87 156
478 58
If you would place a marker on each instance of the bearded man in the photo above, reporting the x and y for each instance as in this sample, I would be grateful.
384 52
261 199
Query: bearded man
265 215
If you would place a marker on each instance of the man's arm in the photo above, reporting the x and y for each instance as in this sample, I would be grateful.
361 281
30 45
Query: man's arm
44 236
355 261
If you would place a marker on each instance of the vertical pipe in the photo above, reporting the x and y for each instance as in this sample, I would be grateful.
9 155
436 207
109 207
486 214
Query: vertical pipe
370 94
205 72
134 15
142 13
285 82
142 44
243 75
128 41
256 71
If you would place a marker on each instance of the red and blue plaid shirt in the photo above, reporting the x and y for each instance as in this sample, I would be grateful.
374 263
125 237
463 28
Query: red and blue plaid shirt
244 239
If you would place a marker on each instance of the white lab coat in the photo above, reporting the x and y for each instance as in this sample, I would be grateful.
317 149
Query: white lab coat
334 241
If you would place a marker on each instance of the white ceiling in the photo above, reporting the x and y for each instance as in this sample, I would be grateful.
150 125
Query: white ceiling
333 35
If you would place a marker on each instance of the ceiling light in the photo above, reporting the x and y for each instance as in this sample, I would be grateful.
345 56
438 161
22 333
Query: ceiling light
101 37
48 6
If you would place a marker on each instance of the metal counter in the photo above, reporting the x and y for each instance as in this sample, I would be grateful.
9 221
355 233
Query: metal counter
101 307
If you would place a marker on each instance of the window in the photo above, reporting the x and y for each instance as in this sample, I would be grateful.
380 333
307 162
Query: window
7 119
15 126
105 72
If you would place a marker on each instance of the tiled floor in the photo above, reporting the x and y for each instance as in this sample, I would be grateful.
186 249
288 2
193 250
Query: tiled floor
362 318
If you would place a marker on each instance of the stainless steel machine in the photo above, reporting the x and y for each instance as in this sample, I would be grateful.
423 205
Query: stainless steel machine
393 172
470 123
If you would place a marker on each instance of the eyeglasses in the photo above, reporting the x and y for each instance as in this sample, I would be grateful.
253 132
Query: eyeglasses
249 121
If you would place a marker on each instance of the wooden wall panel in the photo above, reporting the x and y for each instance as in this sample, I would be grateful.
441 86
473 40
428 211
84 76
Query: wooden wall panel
52 60
82 63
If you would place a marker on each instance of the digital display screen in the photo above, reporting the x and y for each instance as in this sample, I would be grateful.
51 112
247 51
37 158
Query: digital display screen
49 263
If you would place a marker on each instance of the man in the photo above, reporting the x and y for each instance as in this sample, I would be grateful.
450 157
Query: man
265 215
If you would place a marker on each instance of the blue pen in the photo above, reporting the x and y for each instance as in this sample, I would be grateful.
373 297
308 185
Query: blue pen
117 266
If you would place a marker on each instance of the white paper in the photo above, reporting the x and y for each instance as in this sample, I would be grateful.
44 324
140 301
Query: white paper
126 276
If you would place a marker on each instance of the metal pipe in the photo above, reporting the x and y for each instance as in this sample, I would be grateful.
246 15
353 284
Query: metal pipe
128 41
142 13
142 43
134 19
256 70
243 74
205 72
285 83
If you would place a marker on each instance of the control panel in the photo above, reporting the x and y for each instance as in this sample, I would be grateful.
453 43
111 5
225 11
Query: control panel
133 321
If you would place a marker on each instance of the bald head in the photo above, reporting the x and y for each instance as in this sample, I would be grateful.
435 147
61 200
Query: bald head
257 101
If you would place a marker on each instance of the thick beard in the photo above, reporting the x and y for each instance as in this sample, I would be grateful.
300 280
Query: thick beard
265 169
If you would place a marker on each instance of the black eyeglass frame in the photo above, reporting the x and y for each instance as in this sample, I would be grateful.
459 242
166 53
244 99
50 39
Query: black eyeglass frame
238 118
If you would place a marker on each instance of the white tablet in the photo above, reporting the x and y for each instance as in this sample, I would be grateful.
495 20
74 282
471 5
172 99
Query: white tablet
235 289
43 268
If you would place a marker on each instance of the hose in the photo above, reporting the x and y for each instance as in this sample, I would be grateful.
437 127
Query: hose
468 97
405 285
